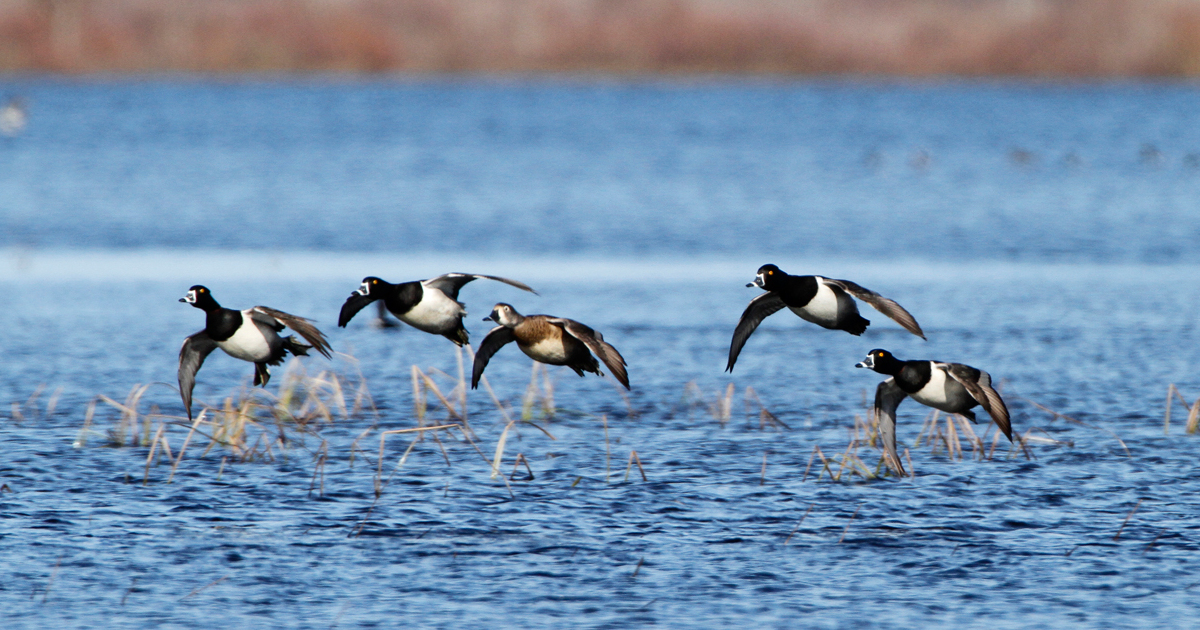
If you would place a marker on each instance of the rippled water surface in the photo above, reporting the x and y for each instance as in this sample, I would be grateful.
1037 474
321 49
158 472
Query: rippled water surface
1046 234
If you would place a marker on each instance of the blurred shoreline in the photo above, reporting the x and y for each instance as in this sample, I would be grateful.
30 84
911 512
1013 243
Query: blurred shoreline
1027 38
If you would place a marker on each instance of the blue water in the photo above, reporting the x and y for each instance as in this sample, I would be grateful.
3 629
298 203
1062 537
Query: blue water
1044 233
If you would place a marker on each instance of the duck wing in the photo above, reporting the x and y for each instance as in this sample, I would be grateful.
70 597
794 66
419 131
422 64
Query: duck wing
195 349
881 304
450 283
353 304
495 339
888 396
304 327
759 309
979 385
596 343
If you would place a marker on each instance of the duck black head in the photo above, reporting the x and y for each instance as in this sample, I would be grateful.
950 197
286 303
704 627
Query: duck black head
373 287
881 361
768 277
200 297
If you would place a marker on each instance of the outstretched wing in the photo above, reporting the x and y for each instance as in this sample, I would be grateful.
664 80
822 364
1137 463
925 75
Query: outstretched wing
979 385
881 304
759 309
887 397
495 339
304 327
195 349
353 304
450 283
596 343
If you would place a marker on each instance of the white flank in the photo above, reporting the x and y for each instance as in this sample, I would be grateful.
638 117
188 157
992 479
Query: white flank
247 342
943 392
822 309
435 313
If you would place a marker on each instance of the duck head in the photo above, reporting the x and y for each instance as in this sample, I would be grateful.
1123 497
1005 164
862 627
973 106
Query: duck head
371 289
881 361
505 315
767 277
200 297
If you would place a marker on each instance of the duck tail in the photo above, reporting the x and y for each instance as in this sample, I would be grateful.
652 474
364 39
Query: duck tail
295 347
856 325
458 336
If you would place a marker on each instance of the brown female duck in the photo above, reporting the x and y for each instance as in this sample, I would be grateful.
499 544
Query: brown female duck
548 339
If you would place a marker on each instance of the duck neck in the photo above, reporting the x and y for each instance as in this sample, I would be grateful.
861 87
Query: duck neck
511 319
207 303
888 365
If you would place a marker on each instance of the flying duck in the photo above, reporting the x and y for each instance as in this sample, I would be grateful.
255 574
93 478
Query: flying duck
250 335
950 387
552 340
429 305
823 301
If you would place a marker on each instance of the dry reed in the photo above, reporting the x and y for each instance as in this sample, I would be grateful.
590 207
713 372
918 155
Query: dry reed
721 406
256 424
635 459
1193 418
797 527
1125 522
30 410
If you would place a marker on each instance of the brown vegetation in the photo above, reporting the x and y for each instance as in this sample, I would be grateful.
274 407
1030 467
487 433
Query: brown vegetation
909 37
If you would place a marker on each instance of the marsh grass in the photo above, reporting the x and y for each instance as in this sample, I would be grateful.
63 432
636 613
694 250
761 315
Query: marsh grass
720 406
451 398
634 458
1193 417
30 409
258 424
1029 436
254 424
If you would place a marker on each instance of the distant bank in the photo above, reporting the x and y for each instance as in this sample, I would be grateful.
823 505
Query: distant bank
1086 38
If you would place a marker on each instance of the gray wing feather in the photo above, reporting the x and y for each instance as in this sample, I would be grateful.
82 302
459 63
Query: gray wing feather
450 283
887 398
759 309
881 304
191 356
980 388
495 339
599 347
304 327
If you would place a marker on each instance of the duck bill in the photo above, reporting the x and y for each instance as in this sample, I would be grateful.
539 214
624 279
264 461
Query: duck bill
758 282
352 306
866 363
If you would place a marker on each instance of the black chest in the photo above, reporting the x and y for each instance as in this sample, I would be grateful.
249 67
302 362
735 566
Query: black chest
222 323
797 291
914 376
407 296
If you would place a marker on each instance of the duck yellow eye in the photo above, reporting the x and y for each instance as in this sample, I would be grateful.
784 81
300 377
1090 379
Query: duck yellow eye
770 273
